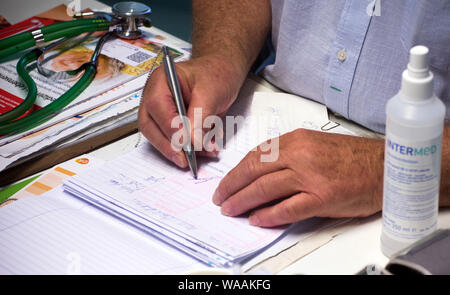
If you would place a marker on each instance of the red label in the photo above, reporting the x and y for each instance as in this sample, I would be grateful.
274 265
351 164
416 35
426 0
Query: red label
9 101
31 23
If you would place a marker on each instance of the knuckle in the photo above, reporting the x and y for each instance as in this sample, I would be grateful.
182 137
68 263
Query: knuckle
260 186
284 157
150 103
326 193
288 211
144 128
141 120
298 135
251 164
302 132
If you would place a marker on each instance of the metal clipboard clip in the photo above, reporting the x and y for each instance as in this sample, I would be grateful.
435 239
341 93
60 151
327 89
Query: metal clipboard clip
326 128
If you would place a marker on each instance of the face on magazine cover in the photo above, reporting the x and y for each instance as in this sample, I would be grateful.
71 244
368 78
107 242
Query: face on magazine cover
72 59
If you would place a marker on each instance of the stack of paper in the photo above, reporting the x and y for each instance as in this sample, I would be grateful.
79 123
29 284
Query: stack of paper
147 191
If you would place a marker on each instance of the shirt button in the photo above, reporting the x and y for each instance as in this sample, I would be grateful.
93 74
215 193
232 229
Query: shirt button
342 55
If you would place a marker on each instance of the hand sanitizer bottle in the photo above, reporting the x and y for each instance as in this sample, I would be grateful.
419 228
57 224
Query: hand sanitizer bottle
412 163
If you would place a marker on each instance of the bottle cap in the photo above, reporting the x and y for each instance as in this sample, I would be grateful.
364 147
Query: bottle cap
417 82
418 61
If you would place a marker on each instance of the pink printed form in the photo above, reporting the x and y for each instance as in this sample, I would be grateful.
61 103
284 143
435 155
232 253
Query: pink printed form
145 183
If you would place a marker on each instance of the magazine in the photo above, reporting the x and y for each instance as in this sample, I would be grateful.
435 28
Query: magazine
120 61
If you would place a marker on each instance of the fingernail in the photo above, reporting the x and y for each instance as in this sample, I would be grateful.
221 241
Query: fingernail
226 209
179 160
254 220
216 198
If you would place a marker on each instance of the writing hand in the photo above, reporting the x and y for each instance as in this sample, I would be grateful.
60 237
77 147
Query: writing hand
208 84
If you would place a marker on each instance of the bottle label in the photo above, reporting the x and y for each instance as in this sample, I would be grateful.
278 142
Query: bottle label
411 188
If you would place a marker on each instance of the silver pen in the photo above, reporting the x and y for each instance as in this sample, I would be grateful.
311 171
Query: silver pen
174 86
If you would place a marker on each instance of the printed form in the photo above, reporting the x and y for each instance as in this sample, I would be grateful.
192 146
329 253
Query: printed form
148 191
56 233
53 232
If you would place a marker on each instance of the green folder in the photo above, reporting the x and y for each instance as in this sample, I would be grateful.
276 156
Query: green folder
9 191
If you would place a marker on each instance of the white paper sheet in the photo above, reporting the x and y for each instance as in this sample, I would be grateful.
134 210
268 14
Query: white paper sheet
57 234
280 113
290 112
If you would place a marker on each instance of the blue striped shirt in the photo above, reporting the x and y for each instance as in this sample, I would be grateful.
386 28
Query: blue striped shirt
349 54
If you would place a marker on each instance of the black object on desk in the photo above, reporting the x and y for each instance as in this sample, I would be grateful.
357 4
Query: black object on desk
428 256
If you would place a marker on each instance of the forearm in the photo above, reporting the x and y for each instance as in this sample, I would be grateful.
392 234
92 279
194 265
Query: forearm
233 30
444 198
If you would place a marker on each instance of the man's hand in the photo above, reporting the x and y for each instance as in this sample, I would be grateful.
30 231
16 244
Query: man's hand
207 83
316 174
227 37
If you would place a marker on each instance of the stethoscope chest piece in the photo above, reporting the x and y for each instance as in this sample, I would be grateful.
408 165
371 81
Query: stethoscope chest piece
132 15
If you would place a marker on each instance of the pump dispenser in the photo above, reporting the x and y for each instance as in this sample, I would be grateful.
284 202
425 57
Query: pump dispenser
417 80
414 127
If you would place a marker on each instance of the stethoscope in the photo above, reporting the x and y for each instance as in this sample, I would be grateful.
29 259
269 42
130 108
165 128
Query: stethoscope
123 22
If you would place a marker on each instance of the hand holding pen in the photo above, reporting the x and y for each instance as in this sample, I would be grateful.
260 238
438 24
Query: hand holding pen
205 86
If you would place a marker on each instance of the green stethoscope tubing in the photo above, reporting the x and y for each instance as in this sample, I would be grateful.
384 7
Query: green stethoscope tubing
28 36
63 30
71 31
44 114
29 83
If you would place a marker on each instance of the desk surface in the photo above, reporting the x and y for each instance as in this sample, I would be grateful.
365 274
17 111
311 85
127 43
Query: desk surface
348 253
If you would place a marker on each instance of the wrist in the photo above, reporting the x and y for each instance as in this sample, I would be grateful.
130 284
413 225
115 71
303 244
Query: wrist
230 71
444 194
229 62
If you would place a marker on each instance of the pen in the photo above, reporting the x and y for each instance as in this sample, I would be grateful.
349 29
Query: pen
174 86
